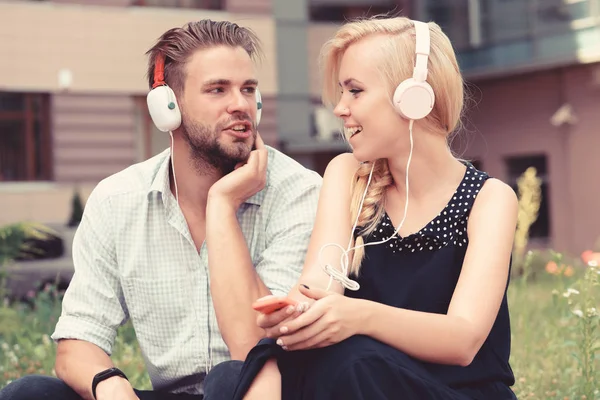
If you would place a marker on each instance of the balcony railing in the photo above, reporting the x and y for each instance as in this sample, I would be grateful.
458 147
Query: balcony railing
495 34
198 4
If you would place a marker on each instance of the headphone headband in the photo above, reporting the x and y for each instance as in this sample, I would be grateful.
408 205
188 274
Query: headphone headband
423 42
159 70
414 97
162 102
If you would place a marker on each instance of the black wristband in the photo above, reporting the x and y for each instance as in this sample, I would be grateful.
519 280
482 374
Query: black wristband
103 375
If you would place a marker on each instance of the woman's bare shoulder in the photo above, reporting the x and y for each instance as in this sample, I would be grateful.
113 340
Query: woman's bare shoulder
342 165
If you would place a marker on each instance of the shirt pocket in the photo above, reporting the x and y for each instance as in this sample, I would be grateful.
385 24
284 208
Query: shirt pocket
161 311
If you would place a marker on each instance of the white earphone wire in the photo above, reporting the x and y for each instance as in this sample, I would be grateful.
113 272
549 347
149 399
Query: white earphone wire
342 276
208 354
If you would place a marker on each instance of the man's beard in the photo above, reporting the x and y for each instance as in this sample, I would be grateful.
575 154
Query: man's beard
206 151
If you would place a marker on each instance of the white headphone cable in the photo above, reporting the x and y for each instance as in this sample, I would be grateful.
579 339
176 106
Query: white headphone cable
207 349
342 276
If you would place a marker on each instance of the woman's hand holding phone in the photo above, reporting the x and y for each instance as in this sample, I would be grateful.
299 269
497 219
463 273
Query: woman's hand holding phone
274 310
269 304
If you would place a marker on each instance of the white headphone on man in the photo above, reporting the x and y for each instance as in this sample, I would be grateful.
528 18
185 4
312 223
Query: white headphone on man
414 97
162 103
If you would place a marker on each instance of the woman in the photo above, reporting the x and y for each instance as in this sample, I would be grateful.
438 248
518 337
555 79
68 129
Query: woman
423 313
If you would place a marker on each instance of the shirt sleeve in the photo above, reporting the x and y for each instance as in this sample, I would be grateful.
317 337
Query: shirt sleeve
93 306
288 234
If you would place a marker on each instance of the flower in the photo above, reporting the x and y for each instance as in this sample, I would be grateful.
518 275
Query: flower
590 258
552 268
569 271
12 357
570 291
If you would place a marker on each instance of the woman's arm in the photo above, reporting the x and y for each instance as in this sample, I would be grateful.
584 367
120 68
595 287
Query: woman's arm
332 225
454 338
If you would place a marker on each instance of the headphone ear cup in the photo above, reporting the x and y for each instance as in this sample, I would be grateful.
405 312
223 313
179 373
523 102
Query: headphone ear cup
259 106
163 108
414 100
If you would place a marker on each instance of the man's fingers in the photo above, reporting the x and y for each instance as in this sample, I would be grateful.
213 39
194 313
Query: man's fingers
264 160
261 164
260 144
253 160
261 149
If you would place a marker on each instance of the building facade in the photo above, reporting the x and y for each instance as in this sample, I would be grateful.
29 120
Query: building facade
72 93
72 88
533 73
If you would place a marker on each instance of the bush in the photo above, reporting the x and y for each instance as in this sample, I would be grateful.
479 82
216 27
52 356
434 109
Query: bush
76 209
26 347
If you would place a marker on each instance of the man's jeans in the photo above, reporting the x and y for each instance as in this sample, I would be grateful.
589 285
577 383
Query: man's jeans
219 384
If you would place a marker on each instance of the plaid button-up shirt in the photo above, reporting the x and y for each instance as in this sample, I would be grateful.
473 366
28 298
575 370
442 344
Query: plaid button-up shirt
134 258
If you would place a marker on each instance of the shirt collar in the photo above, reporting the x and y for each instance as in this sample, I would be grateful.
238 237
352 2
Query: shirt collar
161 183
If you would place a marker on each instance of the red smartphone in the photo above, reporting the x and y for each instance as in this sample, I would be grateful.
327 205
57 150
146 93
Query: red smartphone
271 303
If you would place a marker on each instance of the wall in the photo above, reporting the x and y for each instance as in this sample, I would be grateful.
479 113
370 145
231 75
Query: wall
102 46
93 136
512 117
98 122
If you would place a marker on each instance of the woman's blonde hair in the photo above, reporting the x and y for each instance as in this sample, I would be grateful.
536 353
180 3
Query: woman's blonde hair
395 65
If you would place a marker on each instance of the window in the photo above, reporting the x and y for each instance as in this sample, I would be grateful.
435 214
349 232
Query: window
200 4
466 22
517 166
25 148
476 23
558 15
341 13
453 18
325 125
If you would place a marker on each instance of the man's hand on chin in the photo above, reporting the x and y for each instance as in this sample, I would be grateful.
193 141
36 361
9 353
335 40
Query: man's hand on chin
245 181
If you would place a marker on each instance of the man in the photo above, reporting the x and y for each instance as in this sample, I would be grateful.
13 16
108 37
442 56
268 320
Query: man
185 242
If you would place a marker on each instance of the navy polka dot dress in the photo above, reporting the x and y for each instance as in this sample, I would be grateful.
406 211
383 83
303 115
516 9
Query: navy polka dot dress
418 272
449 227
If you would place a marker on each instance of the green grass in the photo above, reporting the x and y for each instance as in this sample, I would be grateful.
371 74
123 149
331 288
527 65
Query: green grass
26 347
549 345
